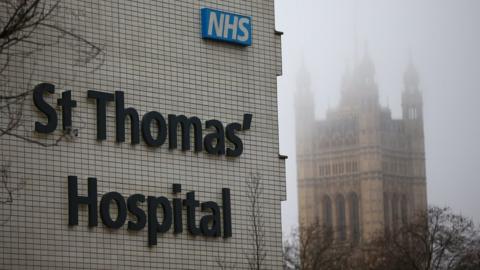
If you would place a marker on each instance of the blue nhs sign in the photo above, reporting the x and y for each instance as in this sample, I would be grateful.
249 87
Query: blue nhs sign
225 26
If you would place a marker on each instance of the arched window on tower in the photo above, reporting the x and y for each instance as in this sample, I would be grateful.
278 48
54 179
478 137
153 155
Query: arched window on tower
355 166
341 224
354 217
327 217
327 211
386 214
404 210
412 113
395 214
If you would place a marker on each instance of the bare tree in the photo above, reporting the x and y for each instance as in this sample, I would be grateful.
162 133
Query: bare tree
258 254
471 259
27 29
223 264
437 240
9 187
312 247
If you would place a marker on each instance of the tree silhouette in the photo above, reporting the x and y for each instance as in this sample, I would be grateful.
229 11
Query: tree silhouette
256 257
28 28
436 240
313 247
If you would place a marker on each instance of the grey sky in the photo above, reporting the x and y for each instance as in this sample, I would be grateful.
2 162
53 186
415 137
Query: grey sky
444 40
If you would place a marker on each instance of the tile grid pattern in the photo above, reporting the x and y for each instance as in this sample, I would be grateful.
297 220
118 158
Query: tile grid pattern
152 51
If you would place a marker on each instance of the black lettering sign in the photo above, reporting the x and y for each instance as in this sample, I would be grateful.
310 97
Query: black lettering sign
209 225
214 142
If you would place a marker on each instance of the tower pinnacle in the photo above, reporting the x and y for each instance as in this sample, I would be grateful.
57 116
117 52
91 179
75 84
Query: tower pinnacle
410 78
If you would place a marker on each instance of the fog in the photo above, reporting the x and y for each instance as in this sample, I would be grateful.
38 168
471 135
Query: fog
443 39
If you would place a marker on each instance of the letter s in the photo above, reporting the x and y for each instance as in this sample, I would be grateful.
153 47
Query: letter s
234 139
44 107
243 29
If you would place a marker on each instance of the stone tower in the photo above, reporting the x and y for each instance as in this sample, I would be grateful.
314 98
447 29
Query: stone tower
360 171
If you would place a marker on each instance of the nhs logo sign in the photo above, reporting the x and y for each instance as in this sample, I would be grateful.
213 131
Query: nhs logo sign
225 26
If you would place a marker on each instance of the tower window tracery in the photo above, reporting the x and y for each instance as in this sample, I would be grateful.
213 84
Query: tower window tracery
354 217
341 220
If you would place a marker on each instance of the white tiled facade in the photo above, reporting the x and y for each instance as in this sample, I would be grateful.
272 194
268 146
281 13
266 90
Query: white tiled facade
153 51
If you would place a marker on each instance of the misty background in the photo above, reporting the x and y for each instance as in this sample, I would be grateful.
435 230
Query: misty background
443 39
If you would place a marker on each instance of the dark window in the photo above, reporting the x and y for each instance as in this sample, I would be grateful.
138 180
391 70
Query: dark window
386 213
404 210
395 213
327 212
354 217
340 205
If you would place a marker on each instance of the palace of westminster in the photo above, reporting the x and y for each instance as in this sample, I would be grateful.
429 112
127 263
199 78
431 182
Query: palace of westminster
360 171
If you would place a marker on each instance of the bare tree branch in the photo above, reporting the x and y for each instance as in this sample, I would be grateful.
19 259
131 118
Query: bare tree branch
27 29
312 247
437 240
258 254
8 187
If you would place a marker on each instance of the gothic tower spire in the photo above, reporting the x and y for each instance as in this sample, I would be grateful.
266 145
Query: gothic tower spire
359 89
412 101
304 100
